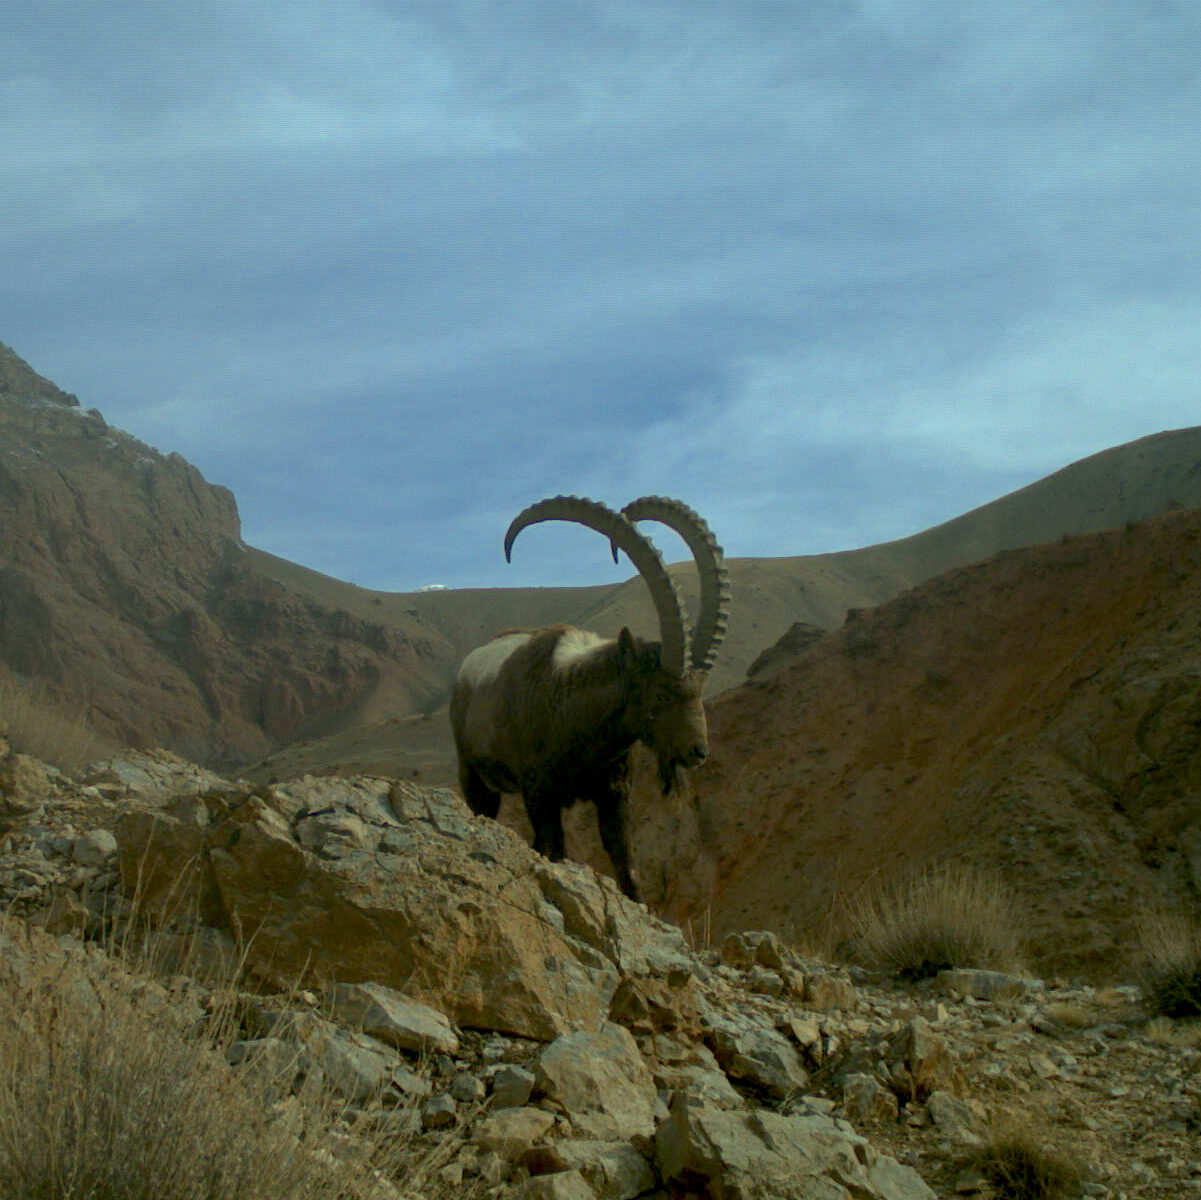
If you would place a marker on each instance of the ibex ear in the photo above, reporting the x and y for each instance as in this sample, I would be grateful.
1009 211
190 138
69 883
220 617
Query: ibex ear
627 651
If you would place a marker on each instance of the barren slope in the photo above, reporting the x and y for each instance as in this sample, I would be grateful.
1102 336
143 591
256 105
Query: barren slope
125 590
1039 713
1129 482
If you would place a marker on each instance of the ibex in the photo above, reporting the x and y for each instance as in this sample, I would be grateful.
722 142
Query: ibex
552 713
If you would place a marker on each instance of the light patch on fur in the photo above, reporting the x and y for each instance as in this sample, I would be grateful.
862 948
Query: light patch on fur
484 664
575 645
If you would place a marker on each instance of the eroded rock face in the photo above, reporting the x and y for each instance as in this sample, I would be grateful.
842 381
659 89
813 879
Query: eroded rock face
369 881
125 579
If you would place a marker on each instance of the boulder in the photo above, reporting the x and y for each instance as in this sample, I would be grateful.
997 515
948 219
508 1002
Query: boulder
761 1058
613 1170
764 1155
366 881
511 1132
601 1081
563 1185
387 1015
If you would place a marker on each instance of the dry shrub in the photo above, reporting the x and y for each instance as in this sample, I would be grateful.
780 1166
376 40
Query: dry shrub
947 916
37 726
1180 1035
1020 1167
1070 1014
109 1093
1170 963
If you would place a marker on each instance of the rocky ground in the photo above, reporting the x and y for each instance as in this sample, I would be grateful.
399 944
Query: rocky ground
548 1038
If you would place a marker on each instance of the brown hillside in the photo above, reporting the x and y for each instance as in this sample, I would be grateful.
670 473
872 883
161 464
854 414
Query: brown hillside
1038 713
125 590
1130 482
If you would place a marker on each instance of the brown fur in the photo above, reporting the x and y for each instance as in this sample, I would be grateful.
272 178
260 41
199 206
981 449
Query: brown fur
558 735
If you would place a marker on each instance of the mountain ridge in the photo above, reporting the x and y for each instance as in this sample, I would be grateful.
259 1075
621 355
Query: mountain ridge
128 588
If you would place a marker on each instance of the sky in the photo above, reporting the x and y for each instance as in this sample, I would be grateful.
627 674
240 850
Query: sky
830 271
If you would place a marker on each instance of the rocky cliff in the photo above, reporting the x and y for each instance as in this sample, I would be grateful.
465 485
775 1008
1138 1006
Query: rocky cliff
126 591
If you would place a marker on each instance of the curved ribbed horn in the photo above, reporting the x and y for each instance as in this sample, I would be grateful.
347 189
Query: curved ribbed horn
673 633
710 629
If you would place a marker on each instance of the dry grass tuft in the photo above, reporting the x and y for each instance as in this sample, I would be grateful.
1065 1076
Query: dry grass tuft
1170 963
1019 1167
108 1092
948 916
36 726
1181 1035
1070 1014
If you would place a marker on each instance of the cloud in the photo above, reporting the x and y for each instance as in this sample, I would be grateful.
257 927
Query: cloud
391 270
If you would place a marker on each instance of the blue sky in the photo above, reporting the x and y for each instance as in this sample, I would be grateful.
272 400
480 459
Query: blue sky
832 272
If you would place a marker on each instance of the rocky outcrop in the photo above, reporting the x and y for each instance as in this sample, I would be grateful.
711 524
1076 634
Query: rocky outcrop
621 1065
371 881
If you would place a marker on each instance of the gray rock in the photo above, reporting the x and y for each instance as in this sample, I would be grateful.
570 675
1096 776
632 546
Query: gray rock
764 980
563 1185
275 1062
758 1155
511 1132
764 1156
153 776
895 1181
697 1075
393 1018
334 834
512 1087
93 848
601 1082
439 1112
762 1058
461 923
613 1170
354 1065
467 1088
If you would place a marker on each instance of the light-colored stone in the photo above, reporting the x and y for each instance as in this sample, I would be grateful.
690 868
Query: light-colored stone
511 1087
697 1075
895 1181
763 1059
461 923
152 776
510 1132
354 1065
563 1185
613 1170
467 1088
601 1082
391 1017
93 848
759 1155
